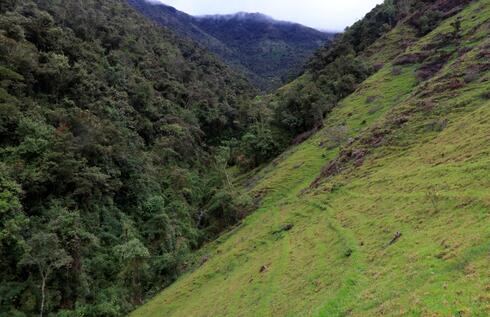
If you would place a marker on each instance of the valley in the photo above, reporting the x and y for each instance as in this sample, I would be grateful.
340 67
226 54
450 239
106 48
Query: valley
147 170
429 184
269 52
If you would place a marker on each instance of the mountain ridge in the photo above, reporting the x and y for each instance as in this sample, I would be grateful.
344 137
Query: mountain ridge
240 15
270 52
249 16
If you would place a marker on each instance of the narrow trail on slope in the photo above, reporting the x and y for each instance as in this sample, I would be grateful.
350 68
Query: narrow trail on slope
342 302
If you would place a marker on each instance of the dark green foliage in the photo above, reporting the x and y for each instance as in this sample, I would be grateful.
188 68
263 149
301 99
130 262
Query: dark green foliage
303 108
333 73
13 225
8 5
337 69
45 253
269 52
258 145
429 21
422 14
107 131
362 34
429 14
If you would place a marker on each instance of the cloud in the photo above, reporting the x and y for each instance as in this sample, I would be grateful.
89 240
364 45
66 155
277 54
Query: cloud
332 15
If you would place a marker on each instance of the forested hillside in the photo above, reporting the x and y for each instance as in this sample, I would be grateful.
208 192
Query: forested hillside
382 209
108 172
269 52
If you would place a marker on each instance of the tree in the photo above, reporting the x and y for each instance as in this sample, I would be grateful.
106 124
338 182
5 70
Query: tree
102 122
134 257
222 157
429 21
13 225
8 5
404 7
12 218
258 144
456 28
45 252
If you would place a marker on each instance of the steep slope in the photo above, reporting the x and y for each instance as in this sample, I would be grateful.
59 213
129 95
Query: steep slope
180 23
389 202
274 51
269 52
106 161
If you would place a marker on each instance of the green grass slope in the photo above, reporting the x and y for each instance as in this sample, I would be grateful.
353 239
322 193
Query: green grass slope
415 160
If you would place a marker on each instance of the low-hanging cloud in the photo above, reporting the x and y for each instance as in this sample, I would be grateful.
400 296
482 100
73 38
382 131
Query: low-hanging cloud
331 15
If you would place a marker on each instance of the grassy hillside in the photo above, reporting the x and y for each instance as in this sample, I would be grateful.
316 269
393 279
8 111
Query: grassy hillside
389 202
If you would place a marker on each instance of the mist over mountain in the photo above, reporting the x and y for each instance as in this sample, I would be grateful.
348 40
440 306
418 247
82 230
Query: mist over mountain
267 51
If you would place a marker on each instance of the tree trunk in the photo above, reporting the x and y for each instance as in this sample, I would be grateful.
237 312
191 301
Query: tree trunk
43 294
228 179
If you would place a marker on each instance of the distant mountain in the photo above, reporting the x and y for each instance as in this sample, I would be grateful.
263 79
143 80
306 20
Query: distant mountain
268 51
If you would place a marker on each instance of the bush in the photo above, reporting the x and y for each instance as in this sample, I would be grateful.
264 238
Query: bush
437 125
396 71
258 145
429 21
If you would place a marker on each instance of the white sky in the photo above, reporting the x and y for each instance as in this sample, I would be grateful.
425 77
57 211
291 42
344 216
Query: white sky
333 15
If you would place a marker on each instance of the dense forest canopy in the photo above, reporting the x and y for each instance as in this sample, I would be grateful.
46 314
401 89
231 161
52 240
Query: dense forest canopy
269 52
107 125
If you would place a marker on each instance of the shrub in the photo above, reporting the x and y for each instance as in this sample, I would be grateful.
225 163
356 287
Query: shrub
485 95
429 21
471 75
436 125
396 71
370 99
374 109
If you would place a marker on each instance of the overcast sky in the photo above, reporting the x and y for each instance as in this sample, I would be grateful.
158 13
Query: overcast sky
333 15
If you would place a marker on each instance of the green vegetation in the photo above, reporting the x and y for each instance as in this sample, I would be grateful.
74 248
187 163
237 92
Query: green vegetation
270 53
125 150
116 141
389 201
107 175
